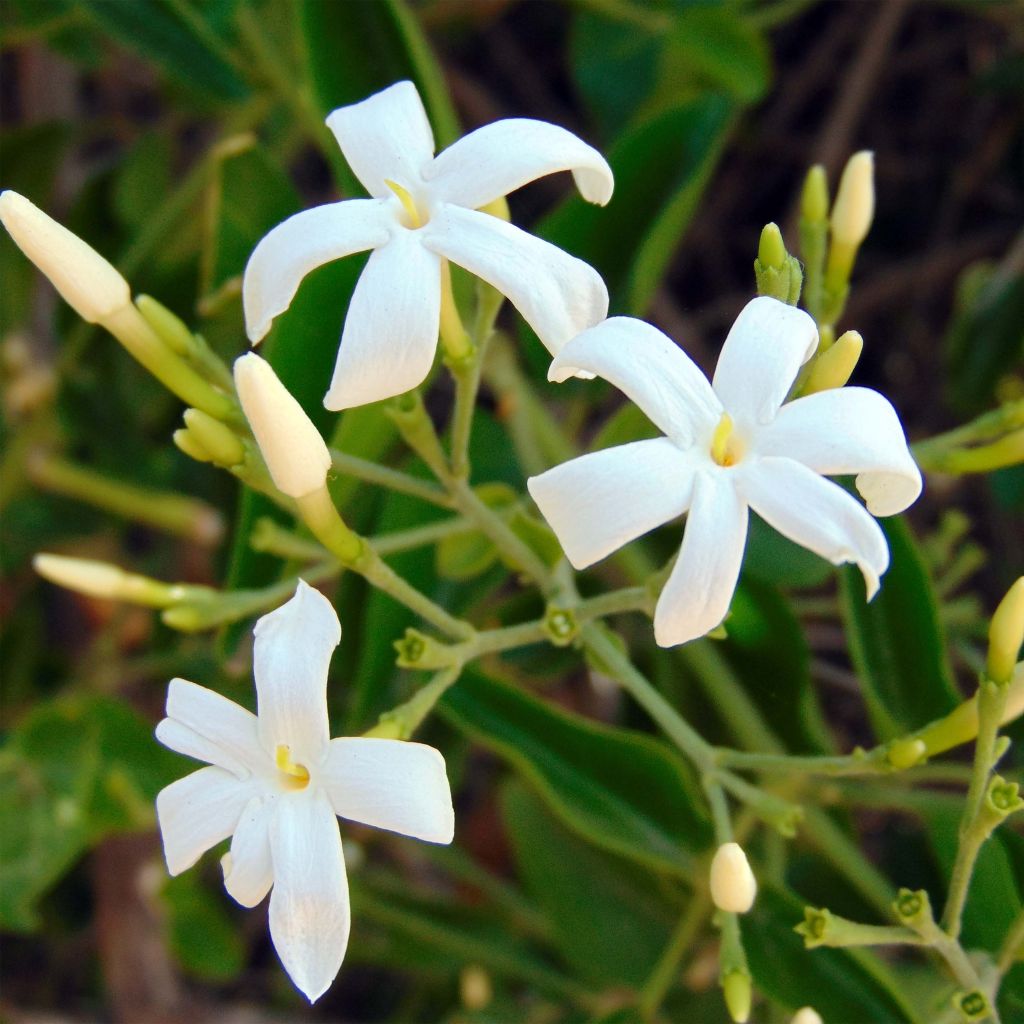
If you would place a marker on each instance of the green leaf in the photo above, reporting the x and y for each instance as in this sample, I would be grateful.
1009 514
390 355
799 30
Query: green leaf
833 981
621 790
362 46
768 651
608 918
202 935
176 39
661 169
718 48
896 641
75 770
772 558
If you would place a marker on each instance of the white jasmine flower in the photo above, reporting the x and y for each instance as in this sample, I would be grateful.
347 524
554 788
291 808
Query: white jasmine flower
730 446
425 210
276 782
733 886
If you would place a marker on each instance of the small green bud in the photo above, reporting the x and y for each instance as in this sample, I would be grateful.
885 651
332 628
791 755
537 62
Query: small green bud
186 441
814 927
913 908
1003 798
738 995
771 250
906 752
560 625
814 198
388 727
1006 634
170 328
419 651
221 443
973 1005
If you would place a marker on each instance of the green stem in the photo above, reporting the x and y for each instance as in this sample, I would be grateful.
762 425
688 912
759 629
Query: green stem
666 970
393 479
466 373
173 513
986 427
991 701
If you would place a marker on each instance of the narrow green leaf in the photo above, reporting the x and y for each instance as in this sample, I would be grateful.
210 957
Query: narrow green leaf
661 168
621 790
896 641
608 917
184 46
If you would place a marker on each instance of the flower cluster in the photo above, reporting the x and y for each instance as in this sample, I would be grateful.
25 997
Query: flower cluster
275 783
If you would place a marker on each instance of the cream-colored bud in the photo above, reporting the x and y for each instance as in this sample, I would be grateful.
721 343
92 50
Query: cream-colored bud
97 579
807 1015
88 283
834 367
1006 634
733 886
854 207
294 451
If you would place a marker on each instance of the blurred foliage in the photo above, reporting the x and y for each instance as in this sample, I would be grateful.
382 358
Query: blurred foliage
189 128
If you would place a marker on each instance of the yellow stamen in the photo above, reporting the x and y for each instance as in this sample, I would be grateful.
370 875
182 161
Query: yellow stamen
298 775
722 450
415 220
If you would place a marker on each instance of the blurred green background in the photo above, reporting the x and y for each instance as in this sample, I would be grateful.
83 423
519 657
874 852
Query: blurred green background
172 134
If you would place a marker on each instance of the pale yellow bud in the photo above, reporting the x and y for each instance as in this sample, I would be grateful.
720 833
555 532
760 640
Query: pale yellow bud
475 987
854 207
97 579
834 367
807 1015
88 283
294 451
1006 634
733 886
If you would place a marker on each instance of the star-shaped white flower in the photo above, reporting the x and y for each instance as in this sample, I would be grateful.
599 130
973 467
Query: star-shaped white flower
425 210
276 782
730 446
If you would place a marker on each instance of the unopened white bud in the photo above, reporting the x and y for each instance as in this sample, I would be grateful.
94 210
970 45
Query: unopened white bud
294 451
97 579
854 207
88 283
807 1015
733 886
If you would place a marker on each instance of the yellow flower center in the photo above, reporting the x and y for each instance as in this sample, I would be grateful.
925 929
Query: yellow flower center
296 775
415 218
726 447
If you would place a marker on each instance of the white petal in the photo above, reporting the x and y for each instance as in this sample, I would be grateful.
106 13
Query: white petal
699 590
248 868
600 501
184 740
557 294
761 357
651 370
817 514
390 784
501 157
292 654
301 244
220 722
385 137
197 812
390 335
309 905
848 430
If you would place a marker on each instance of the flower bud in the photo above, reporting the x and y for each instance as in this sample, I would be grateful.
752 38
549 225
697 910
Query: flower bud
814 197
101 579
1006 634
733 886
214 437
88 283
738 995
807 1015
187 442
854 207
834 367
292 447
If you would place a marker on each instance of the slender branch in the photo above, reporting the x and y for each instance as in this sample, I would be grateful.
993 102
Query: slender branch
393 479
1013 945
